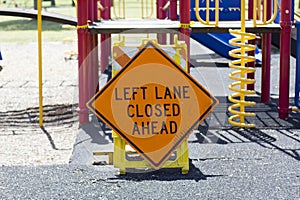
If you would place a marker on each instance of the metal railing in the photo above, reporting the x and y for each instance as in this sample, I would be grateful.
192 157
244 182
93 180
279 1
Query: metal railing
259 12
147 8
119 9
207 21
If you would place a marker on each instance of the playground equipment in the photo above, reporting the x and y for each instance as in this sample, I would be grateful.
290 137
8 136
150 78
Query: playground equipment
88 28
186 27
205 13
240 86
240 75
218 42
285 44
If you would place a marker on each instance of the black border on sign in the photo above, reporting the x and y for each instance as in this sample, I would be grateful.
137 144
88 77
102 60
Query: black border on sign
150 44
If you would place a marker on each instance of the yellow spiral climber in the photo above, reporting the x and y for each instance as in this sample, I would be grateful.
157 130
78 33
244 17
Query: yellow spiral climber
239 87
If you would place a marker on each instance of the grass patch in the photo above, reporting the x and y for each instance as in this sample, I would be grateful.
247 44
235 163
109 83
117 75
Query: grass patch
29 3
31 36
28 24
19 29
25 30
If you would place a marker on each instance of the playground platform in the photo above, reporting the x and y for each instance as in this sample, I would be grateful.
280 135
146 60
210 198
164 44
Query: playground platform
168 26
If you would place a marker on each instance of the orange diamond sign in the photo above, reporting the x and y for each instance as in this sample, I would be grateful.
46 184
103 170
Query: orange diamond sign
153 104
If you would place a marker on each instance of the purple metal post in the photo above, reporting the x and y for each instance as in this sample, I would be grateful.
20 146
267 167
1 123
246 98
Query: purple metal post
89 58
266 59
161 14
285 50
94 16
82 32
266 67
173 16
251 53
251 64
105 38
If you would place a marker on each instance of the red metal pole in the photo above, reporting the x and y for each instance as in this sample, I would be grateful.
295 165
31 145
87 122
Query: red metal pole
82 32
105 38
161 14
266 59
250 9
251 53
185 30
173 16
89 59
285 50
173 10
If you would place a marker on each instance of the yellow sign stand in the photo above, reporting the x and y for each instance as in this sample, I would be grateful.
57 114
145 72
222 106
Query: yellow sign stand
123 153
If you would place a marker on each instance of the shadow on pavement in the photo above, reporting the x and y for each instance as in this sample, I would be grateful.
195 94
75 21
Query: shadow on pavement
267 141
270 132
266 115
50 139
166 174
54 115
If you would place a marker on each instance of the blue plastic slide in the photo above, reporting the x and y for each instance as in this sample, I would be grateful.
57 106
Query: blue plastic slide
218 43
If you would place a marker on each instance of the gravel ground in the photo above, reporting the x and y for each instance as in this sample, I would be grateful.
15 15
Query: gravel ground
22 141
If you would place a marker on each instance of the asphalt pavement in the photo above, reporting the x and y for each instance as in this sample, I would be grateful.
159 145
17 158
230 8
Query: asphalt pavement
224 164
